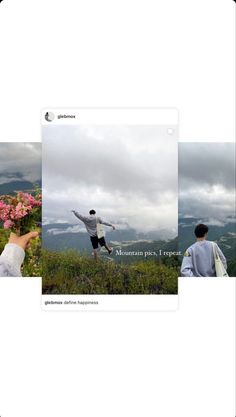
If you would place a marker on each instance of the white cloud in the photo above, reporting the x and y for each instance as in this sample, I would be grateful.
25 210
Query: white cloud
20 161
121 172
207 180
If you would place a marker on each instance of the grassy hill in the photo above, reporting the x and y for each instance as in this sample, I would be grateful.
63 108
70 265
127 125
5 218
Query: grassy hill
70 273
154 246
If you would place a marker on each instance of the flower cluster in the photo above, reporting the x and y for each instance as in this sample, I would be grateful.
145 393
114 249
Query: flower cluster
14 209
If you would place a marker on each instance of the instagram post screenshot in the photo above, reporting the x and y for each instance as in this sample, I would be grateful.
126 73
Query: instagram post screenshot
110 209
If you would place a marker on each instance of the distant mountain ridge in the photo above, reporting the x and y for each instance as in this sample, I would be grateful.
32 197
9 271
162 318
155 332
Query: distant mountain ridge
14 186
187 226
131 240
127 240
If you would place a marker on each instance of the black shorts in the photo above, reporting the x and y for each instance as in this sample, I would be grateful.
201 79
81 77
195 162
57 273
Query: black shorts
95 241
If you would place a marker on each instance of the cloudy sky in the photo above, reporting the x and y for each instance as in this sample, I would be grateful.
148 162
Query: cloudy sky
127 174
20 161
207 180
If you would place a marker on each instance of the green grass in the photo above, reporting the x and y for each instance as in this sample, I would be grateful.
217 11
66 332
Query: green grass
70 273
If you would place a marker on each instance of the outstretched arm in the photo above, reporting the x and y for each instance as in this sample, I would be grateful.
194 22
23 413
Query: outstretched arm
79 216
107 224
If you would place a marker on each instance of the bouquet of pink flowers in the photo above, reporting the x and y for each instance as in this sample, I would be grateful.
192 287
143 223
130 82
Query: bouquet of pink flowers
20 213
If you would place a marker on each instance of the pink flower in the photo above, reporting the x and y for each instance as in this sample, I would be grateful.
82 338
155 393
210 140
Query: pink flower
20 211
8 224
2 205
13 209
4 211
28 200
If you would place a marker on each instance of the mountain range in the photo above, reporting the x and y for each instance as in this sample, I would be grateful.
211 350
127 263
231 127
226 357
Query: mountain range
60 237
14 186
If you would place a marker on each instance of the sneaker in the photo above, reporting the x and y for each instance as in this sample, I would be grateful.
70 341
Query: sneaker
110 251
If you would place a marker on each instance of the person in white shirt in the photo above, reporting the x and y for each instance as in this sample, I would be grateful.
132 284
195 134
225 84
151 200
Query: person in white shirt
90 223
198 260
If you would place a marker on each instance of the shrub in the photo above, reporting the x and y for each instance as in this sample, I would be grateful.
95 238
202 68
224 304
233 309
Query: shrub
70 273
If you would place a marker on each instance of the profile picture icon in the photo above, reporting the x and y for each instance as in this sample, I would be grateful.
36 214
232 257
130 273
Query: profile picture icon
49 116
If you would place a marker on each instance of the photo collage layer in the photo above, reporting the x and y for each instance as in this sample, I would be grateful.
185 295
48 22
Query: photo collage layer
110 209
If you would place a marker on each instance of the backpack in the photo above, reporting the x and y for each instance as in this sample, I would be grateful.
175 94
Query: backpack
220 269
100 230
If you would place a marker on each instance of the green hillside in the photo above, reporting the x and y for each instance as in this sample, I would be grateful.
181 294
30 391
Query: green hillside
159 247
227 243
70 273
13 186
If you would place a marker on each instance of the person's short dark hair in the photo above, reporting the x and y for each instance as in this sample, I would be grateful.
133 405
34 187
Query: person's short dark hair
92 212
200 230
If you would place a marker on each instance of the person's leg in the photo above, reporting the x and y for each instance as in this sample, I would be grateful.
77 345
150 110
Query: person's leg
102 242
95 254
94 241
109 250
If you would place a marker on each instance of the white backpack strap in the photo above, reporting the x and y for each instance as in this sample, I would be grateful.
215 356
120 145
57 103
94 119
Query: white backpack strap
97 221
216 256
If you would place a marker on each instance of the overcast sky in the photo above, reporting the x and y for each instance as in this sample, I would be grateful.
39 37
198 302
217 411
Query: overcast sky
20 161
207 180
127 174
